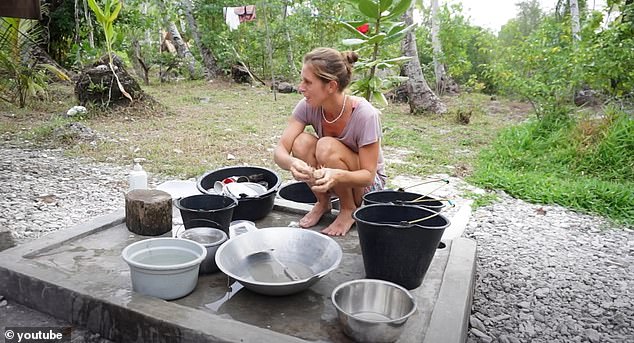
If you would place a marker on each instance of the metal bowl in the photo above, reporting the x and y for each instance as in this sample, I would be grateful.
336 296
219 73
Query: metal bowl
211 238
308 254
373 310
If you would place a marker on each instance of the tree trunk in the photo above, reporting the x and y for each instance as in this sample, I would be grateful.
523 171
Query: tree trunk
77 23
421 97
289 52
91 37
182 49
148 212
209 61
139 62
574 19
439 68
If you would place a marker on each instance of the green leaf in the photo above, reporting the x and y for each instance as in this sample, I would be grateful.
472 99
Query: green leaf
369 8
56 71
397 36
379 98
397 59
385 4
98 13
352 30
116 11
395 28
399 9
353 41
378 38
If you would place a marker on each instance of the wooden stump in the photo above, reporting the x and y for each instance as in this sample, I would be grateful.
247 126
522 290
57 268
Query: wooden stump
6 239
148 212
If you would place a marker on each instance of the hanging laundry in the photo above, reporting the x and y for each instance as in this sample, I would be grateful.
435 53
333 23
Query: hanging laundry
27 9
231 18
246 13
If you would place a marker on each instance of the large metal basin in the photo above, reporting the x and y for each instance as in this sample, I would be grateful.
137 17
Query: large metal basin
308 254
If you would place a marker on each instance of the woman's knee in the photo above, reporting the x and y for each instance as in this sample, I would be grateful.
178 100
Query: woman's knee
304 145
329 151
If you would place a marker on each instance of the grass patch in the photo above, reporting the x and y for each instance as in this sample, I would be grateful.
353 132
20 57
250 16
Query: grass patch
481 199
205 122
440 144
585 164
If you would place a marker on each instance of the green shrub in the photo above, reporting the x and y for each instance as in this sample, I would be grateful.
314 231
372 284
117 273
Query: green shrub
585 164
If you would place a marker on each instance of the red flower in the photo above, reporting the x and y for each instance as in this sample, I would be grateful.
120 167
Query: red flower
364 28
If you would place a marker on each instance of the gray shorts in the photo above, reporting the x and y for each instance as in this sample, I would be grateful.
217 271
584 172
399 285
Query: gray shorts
379 183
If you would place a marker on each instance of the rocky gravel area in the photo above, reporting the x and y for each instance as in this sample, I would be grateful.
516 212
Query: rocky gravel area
548 274
41 191
545 274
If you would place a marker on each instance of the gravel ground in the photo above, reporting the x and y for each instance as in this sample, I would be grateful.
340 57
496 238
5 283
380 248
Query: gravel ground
545 274
548 274
41 191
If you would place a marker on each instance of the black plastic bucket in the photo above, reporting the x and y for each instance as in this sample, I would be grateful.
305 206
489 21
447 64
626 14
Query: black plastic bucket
249 208
202 209
395 252
300 192
400 197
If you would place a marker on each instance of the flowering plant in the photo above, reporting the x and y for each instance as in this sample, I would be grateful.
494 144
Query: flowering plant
384 17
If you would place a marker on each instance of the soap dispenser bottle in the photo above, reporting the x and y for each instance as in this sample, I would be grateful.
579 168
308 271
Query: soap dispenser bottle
138 177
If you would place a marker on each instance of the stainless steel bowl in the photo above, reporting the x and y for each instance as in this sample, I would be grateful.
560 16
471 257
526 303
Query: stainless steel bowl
371 310
211 239
308 254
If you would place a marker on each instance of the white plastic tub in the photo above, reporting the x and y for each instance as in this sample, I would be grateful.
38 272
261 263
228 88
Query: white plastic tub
165 268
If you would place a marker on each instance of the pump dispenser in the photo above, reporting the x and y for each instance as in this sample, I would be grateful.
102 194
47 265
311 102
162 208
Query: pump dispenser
138 177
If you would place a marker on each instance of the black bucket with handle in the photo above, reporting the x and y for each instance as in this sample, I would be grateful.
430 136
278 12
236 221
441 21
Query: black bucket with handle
395 249
205 210
388 196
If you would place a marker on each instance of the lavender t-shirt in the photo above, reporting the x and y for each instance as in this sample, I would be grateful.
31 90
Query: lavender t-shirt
363 128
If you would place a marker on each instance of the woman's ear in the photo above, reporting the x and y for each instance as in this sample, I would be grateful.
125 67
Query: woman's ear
333 86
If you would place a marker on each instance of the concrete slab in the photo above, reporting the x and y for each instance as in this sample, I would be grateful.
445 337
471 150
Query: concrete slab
78 276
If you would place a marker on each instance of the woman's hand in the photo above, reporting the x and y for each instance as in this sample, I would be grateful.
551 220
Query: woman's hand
301 171
325 179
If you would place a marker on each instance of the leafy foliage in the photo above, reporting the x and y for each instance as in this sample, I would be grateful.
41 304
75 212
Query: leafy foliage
467 49
21 75
546 67
384 29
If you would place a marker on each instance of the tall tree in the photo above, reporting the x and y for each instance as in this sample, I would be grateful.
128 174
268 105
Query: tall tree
209 61
574 20
289 49
91 35
439 67
182 49
421 97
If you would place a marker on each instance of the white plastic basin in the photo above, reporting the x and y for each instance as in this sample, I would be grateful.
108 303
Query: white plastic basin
165 268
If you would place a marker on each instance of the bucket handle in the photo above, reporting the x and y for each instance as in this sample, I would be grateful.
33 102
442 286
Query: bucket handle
411 222
415 201
446 181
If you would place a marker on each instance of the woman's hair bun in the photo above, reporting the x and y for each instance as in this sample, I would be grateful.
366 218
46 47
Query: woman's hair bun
351 56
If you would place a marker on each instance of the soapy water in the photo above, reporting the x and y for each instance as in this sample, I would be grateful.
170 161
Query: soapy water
271 271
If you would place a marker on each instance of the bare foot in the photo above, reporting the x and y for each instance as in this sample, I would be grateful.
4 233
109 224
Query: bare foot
312 218
341 225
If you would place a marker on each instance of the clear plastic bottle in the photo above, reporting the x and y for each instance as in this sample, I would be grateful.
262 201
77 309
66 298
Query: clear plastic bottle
138 177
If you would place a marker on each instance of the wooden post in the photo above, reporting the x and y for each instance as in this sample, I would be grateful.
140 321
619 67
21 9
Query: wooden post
148 212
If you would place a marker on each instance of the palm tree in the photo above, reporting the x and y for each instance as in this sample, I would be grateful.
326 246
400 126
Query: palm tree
21 75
